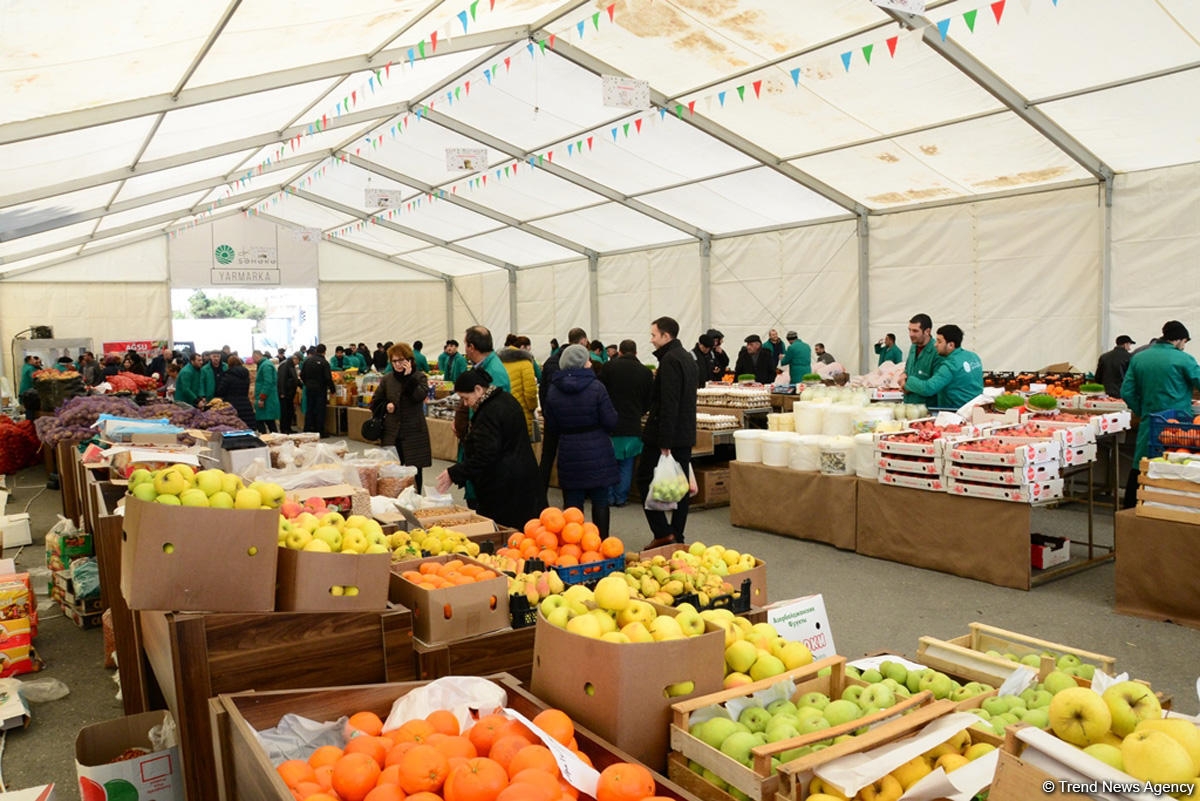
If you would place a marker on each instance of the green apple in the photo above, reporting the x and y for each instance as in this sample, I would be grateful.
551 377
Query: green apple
809 725
636 631
636 611
1033 660
333 519
665 627
842 711
318 546
877 696
1068 660
273 495
353 540
374 536
816 700
794 655
740 656
578 593
782 730
331 536
913 681
298 538
894 670
852 693
995 705
1057 680
247 499
1079 716
560 616
1182 731
307 521
1154 756
766 666
193 497
755 718
673 690
871 676
144 491
781 705
231 483
169 482
585 626
1108 754
140 476
605 619
1130 702
1036 698
209 481
715 731
221 500
1038 718
169 500
738 745
937 683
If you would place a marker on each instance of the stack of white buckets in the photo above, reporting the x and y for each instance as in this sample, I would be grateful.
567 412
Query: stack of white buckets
825 438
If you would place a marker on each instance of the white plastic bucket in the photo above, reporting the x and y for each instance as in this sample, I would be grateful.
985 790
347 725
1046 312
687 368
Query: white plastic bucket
747 444
809 417
839 420
837 457
864 456
806 453
776 448
783 421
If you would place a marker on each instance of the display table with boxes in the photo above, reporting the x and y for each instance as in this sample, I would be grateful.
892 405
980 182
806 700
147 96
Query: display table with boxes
808 506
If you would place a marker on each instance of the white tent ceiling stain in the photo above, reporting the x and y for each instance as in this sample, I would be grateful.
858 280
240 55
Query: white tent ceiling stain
121 121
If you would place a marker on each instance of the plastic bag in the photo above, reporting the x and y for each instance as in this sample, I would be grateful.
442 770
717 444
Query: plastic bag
459 694
693 486
165 735
296 737
668 486
40 691
393 478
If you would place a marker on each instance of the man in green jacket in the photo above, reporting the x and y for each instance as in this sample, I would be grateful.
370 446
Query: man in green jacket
189 385
888 350
1159 379
451 363
922 357
266 394
210 376
797 358
32 365
958 376
481 354
419 360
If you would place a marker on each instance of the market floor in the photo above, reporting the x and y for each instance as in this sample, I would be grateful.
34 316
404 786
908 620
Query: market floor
872 604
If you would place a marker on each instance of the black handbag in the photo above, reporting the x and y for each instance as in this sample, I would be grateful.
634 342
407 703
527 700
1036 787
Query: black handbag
372 430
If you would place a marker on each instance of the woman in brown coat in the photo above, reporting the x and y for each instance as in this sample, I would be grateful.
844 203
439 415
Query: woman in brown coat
400 400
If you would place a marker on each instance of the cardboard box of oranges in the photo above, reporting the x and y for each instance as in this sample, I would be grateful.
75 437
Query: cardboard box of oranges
451 597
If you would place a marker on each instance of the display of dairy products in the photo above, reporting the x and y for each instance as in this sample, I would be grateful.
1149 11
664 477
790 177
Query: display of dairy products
776 447
837 457
785 421
806 452
839 420
747 444
809 417
864 456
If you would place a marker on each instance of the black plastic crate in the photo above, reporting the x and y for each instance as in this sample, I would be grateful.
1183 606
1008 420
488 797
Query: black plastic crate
738 605
521 613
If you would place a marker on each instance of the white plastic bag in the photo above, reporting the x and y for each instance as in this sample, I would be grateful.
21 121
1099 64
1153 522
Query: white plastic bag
693 487
668 486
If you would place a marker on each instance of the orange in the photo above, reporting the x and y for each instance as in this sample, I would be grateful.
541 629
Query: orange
590 556
375 747
325 755
480 779
423 768
625 781
423 797
566 560
590 541
573 514
324 776
546 539
529 549
570 549
366 722
523 791
390 775
533 756
612 547
557 724
296 771
355 775
531 527
539 778
307 790
486 731
584 758
415 731
385 792
572 532
456 746
548 556
506 747
552 519
443 720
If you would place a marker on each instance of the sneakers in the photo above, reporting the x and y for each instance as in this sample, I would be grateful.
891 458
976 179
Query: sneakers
659 542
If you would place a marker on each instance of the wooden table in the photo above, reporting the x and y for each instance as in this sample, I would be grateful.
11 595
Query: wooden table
808 506
197 656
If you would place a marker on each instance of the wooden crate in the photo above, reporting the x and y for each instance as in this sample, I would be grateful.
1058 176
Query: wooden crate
966 655
505 651
247 775
759 781
196 656
1016 780
1019 780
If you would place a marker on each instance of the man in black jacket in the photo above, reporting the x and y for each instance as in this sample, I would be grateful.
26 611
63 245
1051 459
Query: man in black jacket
756 360
288 381
318 383
671 426
576 336
1110 370
629 383
706 365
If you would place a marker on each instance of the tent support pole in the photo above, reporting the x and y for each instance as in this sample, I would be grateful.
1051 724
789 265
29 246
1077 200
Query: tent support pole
449 308
705 283
864 294
512 302
1106 270
594 294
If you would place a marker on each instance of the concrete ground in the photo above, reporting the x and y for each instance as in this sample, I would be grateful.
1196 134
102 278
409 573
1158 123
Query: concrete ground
873 605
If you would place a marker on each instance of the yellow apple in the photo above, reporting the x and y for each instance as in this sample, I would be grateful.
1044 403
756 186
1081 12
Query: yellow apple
247 499
612 593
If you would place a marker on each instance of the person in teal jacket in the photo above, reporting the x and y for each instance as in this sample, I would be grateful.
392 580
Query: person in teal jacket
189 386
958 376
32 365
451 363
266 394
482 354
419 359
1159 379
888 350
922 357
797 358
210 375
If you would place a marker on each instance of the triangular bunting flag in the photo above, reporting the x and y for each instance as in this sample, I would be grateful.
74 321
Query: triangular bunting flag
474 6
542 46
662 113
891 43
614 134
541 159
943 27
679 111
846 59
467 87
596 20
410 56
553 36
550 156
998 10
433 41
637 124
611 8
421 48
580 27
491 5
757 88
487 74
721 99
462 17
515 165
457 92
692 107
741 90
969 18
589 143
579 145
795 73
625 127
387 69
866 51
450 98
570 149
507 64
354 97
371 84
529 47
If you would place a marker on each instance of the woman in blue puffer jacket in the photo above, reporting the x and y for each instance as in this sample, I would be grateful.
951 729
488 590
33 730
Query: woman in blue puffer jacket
579 410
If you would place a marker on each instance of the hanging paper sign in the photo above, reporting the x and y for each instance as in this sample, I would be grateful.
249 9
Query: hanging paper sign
469 159
804 620
383 198
907 6
621 92
307 234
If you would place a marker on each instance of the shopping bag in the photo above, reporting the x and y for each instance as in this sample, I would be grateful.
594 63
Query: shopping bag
372 429
668 486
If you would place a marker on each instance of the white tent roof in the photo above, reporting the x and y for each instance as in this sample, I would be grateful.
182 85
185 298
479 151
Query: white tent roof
125 120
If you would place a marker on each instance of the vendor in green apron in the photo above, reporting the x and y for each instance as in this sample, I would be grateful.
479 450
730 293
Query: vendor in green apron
266 393
922 357
958 376
1159 379
887 350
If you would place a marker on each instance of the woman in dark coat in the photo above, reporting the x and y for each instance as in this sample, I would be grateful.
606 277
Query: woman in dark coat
234 387
580 412
400 400
497 458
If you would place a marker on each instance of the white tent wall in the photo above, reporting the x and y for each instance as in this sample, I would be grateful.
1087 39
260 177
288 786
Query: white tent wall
1021 276
635 288
802 279
479 299
401 311
1155 252
550 301
105 312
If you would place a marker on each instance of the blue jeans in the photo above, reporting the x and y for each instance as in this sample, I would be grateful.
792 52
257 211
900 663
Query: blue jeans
599 499
619 492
